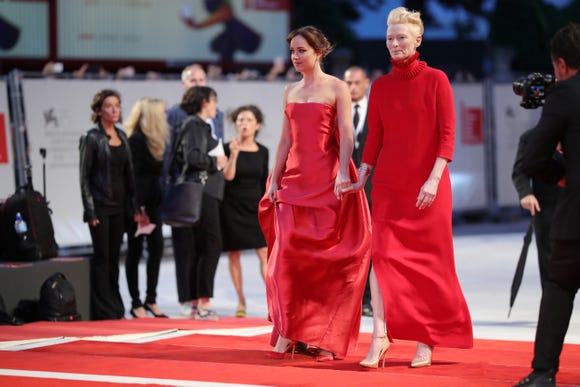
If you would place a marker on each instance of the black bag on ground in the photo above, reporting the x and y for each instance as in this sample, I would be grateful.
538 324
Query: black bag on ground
57 299
5 317
27 311
38 242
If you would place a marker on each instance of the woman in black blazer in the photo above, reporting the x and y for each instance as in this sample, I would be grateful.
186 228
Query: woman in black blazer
193 148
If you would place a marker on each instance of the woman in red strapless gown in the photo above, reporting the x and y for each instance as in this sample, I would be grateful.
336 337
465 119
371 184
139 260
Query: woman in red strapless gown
411 122
318 241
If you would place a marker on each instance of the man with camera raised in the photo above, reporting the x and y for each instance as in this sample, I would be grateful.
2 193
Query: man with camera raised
559 122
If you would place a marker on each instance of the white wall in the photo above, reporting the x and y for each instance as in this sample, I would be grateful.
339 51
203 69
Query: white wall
58 112
511 120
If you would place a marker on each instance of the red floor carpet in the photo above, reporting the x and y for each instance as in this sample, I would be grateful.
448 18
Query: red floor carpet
184 352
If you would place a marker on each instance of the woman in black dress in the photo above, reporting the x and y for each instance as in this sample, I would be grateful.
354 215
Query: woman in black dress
245 174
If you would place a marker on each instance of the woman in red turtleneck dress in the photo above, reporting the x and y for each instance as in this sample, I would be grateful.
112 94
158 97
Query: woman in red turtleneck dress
411 122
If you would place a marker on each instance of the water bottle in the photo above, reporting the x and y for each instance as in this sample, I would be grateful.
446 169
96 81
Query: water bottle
20 226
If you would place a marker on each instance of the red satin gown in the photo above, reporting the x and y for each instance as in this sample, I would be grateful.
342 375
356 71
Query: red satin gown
319 246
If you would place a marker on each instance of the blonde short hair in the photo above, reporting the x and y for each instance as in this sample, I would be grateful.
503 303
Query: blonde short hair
402 15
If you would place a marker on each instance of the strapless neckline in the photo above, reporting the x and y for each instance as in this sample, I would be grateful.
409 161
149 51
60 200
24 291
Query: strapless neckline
311 103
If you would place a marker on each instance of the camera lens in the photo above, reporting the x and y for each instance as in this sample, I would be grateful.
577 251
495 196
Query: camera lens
519 86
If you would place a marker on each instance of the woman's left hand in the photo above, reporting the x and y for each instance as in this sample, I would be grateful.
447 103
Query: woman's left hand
341 182
427 193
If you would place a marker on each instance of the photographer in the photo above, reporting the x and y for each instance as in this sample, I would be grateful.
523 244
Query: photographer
559 122
540 199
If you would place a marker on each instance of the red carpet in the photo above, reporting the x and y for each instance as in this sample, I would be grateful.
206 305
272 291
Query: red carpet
180 352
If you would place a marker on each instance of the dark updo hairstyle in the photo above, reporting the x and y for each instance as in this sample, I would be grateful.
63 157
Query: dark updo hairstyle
98 100
566 45
194 97
248 108
315 38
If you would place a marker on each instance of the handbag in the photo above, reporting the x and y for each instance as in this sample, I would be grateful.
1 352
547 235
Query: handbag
182 198
181 206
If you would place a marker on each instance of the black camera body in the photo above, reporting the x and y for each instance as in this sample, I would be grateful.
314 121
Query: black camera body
533 89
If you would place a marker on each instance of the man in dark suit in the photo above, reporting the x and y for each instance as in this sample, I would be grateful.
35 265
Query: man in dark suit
358 83
540 198
559 123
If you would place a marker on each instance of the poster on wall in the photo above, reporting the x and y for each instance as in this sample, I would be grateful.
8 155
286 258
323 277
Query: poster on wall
468 167
24 31
7 186
173 30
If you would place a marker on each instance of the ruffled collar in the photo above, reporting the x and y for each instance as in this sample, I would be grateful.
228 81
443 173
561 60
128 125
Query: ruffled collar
409 68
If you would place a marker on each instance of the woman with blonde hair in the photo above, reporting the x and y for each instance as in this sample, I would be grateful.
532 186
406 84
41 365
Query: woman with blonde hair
147 130
414 287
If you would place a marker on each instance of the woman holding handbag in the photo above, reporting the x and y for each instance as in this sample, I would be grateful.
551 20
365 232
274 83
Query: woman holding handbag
193 161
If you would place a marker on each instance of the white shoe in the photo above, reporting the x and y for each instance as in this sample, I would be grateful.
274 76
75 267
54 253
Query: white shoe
185 309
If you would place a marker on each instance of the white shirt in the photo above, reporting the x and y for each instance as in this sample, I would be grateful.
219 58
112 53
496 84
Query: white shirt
363 105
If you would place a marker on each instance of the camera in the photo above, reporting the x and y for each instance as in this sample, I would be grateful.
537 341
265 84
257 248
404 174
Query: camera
533 89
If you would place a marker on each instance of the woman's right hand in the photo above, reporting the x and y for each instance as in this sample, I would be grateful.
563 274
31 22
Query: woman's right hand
363 174
94 223
273 192
234 147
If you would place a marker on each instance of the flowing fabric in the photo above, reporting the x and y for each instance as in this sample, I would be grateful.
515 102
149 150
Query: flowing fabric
412 122
318 246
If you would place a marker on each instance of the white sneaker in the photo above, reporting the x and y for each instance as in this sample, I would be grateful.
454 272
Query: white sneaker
185 309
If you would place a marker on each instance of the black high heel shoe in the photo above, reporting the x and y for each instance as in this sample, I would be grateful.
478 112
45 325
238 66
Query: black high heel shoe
135 310
150 310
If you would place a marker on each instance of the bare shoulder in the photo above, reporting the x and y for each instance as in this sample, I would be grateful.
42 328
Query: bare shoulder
337 84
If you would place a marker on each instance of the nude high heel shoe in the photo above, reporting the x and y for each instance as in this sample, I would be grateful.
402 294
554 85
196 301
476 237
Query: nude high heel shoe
423 356
384 346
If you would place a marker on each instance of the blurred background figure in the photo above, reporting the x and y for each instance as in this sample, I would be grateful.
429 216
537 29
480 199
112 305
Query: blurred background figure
245 174
107 188
192 75
93 70
147 131
194 159
358 84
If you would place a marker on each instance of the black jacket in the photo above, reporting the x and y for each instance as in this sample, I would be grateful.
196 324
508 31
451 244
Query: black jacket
546 193
559 122
147 172
192 154
357 152
95 177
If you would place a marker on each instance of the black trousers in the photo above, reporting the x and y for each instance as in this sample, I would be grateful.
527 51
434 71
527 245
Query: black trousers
107 236
154 255
197 250
557 303
542 222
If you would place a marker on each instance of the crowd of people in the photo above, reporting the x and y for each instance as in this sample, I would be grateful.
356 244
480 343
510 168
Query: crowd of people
308 218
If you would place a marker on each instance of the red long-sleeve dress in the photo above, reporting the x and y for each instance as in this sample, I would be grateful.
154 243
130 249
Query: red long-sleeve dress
411 122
